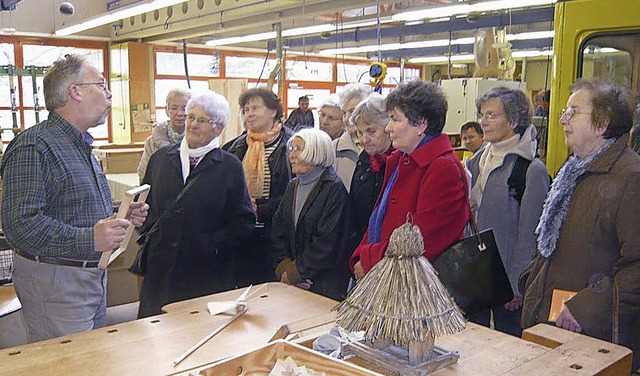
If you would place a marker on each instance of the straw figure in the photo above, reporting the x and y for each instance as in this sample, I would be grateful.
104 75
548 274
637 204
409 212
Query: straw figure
401 300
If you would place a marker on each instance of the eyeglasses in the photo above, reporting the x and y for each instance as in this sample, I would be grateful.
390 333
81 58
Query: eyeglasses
489 116
328 117
296 148
248 109
200 121
568 113
102 84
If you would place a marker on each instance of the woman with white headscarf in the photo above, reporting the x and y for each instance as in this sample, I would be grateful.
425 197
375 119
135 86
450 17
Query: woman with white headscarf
192 252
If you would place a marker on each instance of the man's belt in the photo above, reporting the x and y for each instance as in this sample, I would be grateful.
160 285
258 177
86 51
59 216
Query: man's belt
57 261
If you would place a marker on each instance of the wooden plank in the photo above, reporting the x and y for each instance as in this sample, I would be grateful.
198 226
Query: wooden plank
134 195
486 352
149 346
9 302
262 360
582 355
547 335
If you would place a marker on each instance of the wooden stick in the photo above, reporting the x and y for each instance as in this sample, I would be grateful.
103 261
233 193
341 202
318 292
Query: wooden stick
243 309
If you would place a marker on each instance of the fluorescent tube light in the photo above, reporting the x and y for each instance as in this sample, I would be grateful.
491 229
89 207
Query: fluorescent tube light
442 59
116 15
295 32
453 10
535 53
430 43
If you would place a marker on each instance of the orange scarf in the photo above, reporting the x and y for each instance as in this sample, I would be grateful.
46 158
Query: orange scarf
253 162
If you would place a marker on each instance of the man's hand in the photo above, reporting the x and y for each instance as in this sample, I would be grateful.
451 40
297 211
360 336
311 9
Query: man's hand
567 321
514 304
138 213
108 233
358 271
284 279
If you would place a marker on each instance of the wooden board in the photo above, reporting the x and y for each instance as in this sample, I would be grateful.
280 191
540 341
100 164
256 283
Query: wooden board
135 195
149 346
262 360
9 302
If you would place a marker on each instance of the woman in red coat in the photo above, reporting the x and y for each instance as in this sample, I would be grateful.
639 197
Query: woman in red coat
423 178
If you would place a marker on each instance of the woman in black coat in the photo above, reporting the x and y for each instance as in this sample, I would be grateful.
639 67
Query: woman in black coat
310 230
193 251
370 118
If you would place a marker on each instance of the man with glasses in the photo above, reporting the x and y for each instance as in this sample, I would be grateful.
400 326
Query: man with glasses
330 117
168 133
56 207
508 187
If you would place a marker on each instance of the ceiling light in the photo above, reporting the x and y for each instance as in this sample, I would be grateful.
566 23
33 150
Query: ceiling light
116 15
535 53
246 38
453 10
296 32
442 59
429 43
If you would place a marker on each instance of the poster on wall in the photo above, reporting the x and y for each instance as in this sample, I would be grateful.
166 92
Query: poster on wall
141 118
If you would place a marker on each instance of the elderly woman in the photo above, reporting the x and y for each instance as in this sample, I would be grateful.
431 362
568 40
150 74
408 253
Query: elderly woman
423 178
311 226
508 187
191 253
263 152
370 119
588 238
347 146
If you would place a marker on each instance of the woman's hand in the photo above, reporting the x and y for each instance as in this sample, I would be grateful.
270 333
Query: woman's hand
358 271
306 285
514 304
567 321
284 279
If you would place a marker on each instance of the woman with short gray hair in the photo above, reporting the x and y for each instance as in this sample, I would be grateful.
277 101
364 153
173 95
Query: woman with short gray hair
310 229
370 118
203 190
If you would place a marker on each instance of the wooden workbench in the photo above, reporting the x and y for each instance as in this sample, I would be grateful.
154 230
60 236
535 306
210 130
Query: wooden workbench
149 346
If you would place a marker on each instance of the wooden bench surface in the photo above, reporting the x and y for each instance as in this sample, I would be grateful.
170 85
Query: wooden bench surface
9 302
149 346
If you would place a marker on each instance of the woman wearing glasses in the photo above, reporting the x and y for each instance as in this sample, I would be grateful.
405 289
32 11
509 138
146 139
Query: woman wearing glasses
588 238
508 186
311 226
192 251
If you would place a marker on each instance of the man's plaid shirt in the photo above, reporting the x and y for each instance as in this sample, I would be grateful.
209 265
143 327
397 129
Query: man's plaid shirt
54 192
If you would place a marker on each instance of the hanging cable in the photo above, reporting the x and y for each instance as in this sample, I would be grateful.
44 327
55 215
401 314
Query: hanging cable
378 71
186 66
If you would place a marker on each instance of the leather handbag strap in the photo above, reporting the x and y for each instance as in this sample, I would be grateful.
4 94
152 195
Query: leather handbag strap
172 205
472 218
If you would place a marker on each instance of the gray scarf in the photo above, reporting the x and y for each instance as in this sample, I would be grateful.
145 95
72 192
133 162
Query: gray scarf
556 204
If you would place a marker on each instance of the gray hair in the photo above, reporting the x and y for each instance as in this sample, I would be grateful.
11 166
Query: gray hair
60 75
175 92
371 110
332 100
357 91
318 148
517 107
214 104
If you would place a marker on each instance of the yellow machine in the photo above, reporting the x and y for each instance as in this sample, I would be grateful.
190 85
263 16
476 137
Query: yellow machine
594 39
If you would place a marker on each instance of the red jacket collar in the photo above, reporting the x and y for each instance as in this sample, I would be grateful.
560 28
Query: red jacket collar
424 155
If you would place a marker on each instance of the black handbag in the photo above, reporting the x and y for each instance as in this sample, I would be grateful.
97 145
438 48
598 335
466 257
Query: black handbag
139 266
473 272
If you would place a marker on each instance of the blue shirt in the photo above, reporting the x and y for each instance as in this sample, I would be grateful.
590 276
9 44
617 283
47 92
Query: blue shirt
54 192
